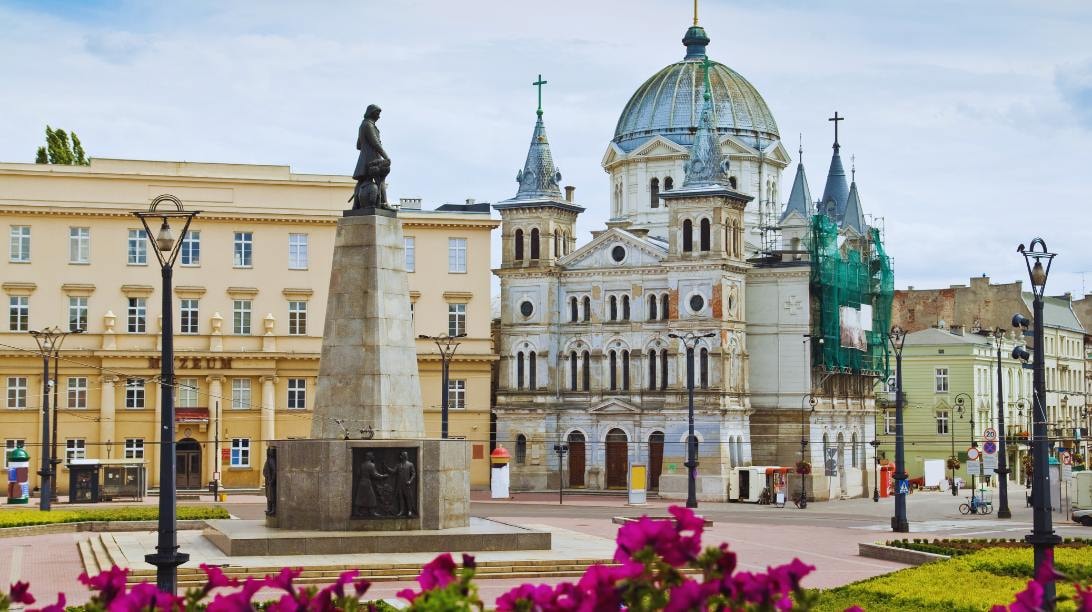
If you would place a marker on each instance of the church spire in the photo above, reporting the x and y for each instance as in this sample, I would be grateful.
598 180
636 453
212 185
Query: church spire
835 192
705 167
853 218
539 179
800 195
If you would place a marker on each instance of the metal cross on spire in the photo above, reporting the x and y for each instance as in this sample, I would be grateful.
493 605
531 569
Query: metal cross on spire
853 167
539 83
836 119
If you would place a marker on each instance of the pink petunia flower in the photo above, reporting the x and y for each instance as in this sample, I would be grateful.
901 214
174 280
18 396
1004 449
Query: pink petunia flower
437 573
109 583
20 593
57 607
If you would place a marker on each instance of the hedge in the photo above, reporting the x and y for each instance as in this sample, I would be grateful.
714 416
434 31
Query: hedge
958 547
26 516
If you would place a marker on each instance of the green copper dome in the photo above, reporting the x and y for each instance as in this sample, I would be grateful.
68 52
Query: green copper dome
669 103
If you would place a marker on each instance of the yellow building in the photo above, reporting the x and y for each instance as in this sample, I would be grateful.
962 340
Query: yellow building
250 287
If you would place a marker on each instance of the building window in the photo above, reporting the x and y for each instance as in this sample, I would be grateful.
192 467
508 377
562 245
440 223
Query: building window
456 255
191 249
521 449
574 314
297 393
77 314
652 370
625 308
669 184
77 392
297 318
704 368
18 313
586 371
703 242
456 319
456 394
573 367
654 188
519 370
889 423
518 246
187 393
11 444
138 316
240 321
188 314
557 243
663 369
410 244
687 236
625 370
532 366
941 380
587 308
942 422
240 393
134 393
17 392
613 371
75 448
138 247
613 310
663 307
243 250
297 251
79 245
240 452
652 307
534 244
134 448
19 251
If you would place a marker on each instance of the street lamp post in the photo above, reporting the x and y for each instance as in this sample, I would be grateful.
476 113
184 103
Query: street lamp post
1042 536
899 522
1002 470
49 342
690 341
875 444
167 558
960 408
447 346
804 448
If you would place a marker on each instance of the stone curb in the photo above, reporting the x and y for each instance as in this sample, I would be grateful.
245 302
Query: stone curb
898 555
94 526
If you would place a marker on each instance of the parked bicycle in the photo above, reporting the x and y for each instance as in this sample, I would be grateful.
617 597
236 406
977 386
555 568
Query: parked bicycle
982 503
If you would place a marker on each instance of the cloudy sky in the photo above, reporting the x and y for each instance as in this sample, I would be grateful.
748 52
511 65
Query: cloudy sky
970 121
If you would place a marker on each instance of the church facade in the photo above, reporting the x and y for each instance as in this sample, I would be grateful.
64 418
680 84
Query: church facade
701 271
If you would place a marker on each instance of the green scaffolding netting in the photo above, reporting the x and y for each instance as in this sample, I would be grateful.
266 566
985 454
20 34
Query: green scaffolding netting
854 273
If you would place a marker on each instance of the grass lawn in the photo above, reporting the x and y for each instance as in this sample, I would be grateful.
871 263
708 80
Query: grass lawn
972 582
27 516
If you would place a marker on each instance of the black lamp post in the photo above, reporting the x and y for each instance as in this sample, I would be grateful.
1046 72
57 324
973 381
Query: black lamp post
447 345
690 340
1002 446
1042 536
804 447
49 341
875 444
960 408
166 559
899 522
561 448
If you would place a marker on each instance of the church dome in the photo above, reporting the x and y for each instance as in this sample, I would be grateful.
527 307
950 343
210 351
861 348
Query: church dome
669 103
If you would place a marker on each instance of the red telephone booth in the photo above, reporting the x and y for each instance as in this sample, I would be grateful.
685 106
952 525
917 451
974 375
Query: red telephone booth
887 472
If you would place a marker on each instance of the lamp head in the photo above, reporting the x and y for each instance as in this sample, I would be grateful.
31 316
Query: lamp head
897 337
1019 320
164 240
1021 353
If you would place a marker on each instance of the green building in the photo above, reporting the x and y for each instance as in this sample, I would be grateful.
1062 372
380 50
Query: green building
949 379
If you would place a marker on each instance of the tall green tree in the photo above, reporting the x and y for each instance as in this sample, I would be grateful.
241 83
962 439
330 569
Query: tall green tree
58 149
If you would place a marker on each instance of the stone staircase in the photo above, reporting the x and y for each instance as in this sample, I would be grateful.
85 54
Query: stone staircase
100 552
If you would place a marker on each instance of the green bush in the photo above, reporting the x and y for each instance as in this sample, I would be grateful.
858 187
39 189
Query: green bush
959 547
26 516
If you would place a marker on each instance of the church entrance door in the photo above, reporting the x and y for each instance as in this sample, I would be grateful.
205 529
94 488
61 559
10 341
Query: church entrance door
617 459
576 459
187 464
655 459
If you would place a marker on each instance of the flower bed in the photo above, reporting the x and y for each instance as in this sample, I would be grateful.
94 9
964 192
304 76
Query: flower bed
25 516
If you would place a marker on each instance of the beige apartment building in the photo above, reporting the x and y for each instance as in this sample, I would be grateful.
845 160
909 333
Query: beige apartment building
250 289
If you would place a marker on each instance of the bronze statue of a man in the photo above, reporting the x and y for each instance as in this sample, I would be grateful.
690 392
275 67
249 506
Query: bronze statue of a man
372 165
365 500
269 472
405 486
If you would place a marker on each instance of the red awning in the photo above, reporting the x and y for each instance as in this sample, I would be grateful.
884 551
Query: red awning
191 415
770 470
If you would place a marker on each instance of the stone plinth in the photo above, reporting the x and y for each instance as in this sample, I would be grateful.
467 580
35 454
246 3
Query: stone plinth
315 485
368 372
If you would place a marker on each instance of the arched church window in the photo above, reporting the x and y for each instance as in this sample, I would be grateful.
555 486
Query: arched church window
574 316
854 450
652 370
704 368
613 371
687 236
613 308
557 243
531 366
625 370
704 244
587 308
519 245
663 369
654 188
519 370
534 243
652 307
565 242
625 308
521 449
586 371
664 312
573 366
669 184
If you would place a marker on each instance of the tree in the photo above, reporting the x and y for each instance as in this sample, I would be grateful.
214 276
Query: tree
58 150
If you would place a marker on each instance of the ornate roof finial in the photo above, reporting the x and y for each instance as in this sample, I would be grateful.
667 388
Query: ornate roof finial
801 149
695 12
695 38
853 168
836 119
539 83
539 179
705 166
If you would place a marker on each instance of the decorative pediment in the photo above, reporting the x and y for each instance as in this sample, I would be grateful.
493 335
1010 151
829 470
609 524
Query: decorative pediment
613 155
658 146
776 153
730 145
614 405
599 253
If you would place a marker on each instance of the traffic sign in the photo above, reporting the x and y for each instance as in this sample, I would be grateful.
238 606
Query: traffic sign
989 447
902 487
972 454
989 463
990 433
1067 458
974 468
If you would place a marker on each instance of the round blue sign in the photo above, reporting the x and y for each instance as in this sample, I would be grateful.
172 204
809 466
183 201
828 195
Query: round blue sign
990 447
